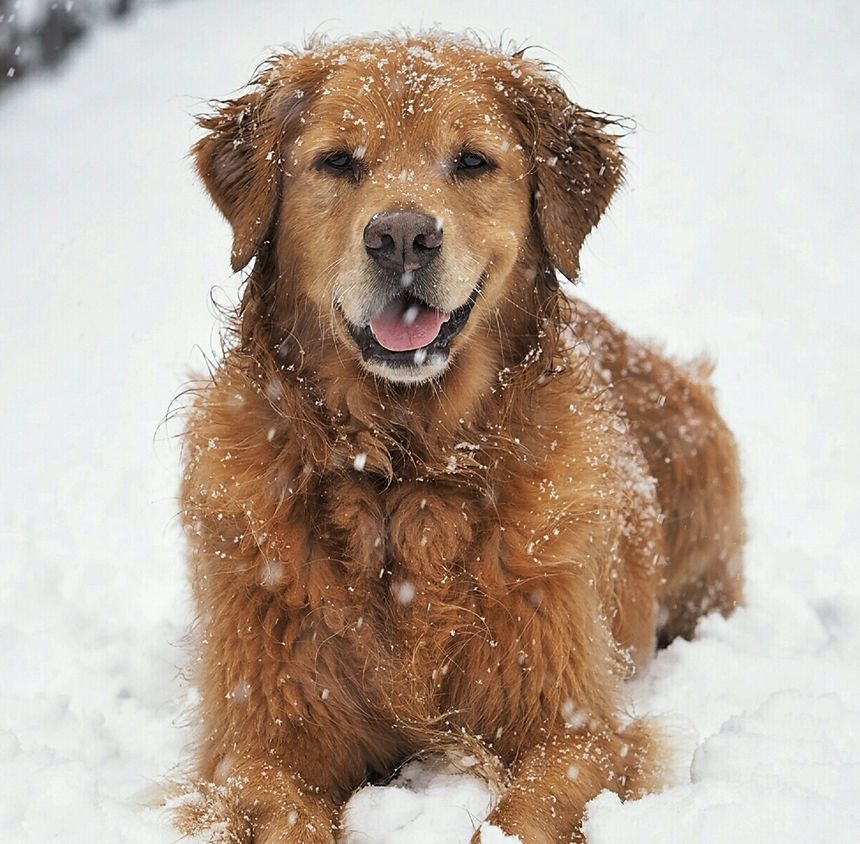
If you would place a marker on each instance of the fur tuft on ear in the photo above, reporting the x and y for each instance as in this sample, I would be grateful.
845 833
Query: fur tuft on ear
577 162
237 164
579 168
239 158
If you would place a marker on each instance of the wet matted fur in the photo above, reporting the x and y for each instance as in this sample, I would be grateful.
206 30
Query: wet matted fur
473 551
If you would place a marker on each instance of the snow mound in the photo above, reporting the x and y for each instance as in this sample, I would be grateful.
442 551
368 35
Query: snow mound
788 771
431 802
493 835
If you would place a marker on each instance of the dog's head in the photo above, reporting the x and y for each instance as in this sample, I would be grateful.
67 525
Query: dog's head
405 190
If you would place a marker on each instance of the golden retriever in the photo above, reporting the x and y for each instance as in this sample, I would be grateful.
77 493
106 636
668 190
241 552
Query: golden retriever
432 502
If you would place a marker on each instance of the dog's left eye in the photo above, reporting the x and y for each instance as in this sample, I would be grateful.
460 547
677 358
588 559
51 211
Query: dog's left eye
337 162
471 162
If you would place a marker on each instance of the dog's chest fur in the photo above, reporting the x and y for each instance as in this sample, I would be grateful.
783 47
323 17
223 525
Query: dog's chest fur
445 597
435 585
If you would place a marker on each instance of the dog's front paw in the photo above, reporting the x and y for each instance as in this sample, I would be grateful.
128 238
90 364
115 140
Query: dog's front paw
219 814
294 827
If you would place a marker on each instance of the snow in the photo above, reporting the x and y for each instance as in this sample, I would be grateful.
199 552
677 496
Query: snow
493 835
433 802
805 789
736 235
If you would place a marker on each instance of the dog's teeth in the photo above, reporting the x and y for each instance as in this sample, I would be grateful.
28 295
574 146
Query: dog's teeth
420 356
411 314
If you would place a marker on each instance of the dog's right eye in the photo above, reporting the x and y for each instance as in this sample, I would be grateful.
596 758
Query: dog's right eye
337 162
472 163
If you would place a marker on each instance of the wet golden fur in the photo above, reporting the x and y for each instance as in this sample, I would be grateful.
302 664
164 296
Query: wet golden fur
475 562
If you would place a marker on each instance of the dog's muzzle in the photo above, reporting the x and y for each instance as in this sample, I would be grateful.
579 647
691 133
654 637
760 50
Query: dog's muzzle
409 333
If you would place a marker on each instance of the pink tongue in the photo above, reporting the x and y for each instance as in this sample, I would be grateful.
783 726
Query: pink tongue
402 328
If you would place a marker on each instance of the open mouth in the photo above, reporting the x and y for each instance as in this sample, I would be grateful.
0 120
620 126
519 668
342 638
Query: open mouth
408 332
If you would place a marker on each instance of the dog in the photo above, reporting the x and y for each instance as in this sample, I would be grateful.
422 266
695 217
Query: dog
433 503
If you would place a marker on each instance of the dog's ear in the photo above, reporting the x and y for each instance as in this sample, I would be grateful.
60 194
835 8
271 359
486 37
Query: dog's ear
577 165
239 157
236 160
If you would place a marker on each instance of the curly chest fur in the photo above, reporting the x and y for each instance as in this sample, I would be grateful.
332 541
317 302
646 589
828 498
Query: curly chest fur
426 604
482 593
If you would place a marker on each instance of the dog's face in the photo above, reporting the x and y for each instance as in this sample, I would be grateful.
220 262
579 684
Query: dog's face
398 183
412 208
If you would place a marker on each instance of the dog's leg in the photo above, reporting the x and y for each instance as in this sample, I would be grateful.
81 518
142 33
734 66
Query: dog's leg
555 778
262 798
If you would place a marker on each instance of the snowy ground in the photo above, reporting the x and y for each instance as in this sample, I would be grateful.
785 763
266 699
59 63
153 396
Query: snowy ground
737 235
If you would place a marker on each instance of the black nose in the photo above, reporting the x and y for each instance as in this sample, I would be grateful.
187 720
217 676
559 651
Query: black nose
403 241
